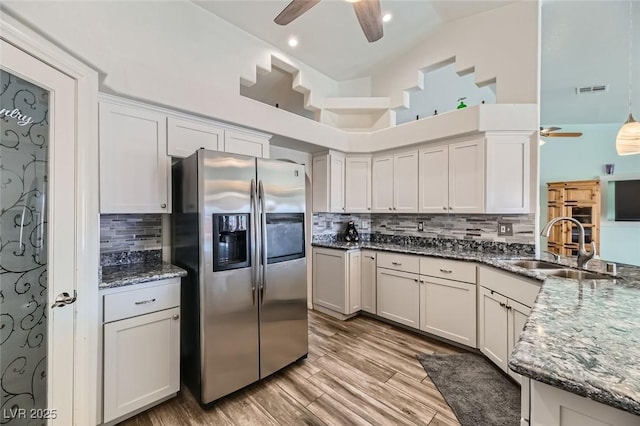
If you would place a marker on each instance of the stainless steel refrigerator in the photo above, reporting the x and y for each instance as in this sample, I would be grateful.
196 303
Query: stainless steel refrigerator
238 228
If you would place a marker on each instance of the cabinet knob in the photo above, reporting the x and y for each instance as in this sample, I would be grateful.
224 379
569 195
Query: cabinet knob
175 317
163 205
368 208
450 208
394 208
444 208
390 208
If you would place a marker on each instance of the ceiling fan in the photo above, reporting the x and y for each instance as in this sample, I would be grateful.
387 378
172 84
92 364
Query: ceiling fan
552 132
367 11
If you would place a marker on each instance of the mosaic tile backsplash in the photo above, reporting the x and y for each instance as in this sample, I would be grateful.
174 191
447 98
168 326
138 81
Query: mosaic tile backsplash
446 226
130 238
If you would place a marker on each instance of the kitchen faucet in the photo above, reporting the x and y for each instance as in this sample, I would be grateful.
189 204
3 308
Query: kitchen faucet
583 255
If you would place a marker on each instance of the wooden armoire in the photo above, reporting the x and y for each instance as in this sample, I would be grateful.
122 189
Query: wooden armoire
581 201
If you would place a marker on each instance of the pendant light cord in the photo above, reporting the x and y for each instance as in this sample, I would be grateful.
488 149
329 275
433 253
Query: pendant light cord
630 50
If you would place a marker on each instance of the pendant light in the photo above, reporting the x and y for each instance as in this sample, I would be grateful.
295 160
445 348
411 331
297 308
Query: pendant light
628 139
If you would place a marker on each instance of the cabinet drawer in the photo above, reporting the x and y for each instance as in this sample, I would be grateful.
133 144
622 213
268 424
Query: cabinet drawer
132 303
448 269
399 262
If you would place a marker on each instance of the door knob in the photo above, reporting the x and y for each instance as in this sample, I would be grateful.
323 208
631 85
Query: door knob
64 299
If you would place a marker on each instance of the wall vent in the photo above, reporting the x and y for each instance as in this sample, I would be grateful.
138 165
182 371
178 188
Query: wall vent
592 89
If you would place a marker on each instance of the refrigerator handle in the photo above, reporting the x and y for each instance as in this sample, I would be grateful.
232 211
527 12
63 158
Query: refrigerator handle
254 240
263 241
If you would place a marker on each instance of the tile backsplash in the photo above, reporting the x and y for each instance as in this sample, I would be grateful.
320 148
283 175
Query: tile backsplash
479 227
130 238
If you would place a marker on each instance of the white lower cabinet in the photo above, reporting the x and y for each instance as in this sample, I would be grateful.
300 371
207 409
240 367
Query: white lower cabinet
551 406
368 281
336 281
140 348
504 302
142 361
398 296
448 309
448 299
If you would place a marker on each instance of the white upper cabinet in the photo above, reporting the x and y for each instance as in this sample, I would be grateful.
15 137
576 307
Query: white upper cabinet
382 184
433 185
134 166
395 183
508 173
328 176
358 184
466 177
185 136
245 143
405 182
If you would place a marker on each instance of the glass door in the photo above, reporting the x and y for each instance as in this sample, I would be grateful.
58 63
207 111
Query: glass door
36 205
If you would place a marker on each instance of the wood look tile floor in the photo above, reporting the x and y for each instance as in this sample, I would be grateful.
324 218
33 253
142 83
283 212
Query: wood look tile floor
358 372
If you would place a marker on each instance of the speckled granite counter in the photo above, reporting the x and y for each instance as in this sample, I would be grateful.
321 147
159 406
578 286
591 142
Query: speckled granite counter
582 336
135 273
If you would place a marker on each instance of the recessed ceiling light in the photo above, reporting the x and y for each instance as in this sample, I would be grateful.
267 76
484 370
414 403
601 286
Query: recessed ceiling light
386 17
293 42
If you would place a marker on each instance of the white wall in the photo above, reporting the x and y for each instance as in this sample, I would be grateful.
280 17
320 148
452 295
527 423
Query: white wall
501 43
175 54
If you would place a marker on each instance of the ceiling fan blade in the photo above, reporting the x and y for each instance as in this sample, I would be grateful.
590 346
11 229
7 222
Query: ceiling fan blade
370 18
294 10
561 134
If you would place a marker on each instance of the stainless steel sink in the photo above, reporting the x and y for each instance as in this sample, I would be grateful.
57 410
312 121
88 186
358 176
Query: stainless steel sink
577 275
534 264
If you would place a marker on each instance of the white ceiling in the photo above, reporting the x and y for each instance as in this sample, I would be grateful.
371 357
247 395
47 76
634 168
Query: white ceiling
330 37
583 42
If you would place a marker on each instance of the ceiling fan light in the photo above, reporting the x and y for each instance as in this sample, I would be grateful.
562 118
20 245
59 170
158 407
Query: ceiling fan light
628 139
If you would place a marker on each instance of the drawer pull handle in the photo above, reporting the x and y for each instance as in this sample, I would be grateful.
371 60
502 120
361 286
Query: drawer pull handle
502 304
370 257
396 263
144 302
445 271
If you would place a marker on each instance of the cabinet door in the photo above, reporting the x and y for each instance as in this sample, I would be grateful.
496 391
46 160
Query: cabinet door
246 144
184 137
355 282
466 177
433 183
517 315
405 182
508 177
329 279
382 185
492 329
368 280
358 185
336 183
448 309
141 361
320 184
398 297
134 166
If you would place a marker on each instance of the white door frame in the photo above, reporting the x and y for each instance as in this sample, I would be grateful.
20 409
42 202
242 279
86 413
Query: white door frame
87 208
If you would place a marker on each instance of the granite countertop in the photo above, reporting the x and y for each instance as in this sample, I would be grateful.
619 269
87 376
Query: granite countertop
135 273
582 336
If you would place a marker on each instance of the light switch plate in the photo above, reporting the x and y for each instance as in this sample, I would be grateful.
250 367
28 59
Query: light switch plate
420 226
364 224
505 229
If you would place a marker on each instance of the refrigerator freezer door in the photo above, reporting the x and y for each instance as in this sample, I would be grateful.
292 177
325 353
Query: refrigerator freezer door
283 316
284 186
229 333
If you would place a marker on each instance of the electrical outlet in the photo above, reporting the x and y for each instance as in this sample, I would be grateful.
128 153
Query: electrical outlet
420 226
505 229
364 224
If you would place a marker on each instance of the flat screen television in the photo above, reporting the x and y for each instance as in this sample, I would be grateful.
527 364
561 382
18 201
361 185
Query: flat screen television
627 200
